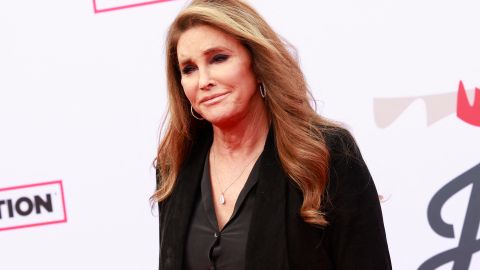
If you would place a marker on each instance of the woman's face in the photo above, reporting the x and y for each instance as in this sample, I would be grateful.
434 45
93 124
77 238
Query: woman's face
217 75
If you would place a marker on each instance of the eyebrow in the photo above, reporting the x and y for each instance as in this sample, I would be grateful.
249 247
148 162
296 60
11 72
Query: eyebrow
206 52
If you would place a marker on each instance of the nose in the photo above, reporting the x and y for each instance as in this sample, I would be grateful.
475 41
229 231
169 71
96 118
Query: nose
204 81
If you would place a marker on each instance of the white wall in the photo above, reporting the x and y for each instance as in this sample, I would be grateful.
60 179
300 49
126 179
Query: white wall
82 96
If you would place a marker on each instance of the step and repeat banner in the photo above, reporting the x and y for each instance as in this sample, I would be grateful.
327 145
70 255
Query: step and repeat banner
82 97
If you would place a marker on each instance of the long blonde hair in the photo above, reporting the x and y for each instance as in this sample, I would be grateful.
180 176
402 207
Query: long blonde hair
297 127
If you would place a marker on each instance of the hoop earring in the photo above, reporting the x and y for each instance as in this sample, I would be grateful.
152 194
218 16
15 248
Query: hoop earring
193 114
262 89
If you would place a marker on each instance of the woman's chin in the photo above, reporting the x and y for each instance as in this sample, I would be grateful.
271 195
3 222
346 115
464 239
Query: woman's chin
221 120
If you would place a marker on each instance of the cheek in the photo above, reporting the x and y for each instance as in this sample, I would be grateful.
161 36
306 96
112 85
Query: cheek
239 77
188 89
248 81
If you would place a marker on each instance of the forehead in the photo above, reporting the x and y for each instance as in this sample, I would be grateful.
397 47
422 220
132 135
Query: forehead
199 39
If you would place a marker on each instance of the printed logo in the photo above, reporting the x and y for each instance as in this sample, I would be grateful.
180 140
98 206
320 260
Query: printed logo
32 205
468 243
112 5
469 114
439 106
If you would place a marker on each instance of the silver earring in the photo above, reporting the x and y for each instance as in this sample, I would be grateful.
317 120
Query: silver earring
262 89
193 114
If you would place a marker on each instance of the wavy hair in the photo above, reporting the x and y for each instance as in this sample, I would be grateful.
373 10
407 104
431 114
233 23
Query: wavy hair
298 129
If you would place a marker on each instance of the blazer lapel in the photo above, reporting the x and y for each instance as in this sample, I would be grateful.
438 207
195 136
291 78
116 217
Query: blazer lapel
266 242
180 207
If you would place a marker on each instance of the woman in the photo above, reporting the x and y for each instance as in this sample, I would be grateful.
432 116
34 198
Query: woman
249 176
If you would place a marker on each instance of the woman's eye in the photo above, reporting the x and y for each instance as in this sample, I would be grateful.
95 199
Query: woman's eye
188 69
219 58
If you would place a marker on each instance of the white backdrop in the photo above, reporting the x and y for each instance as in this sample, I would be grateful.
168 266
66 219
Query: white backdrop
82 96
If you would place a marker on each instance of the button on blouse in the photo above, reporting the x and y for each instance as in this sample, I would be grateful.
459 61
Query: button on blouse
209 248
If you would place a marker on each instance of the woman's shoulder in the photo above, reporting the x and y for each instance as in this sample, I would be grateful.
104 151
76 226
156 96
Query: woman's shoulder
348 172
336 135
340 142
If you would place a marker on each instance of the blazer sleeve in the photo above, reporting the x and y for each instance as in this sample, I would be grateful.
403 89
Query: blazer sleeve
162 215
356 233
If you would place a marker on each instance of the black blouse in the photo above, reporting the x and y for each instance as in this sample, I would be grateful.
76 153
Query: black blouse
209 248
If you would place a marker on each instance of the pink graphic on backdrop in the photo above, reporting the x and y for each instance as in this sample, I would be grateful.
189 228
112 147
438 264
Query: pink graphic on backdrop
112 5
438 106
465 111
32 205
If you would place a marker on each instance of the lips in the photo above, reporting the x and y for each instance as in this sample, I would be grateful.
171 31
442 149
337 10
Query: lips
213 98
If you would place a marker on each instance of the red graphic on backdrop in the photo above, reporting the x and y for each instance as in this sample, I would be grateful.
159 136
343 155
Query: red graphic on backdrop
465 111
112 5
438 106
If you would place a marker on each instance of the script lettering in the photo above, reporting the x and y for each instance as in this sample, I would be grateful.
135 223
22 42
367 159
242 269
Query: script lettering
467 244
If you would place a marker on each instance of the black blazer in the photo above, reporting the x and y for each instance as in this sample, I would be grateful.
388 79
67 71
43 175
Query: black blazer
278 237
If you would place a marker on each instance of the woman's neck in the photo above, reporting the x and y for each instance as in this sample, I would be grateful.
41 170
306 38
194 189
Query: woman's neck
245 138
